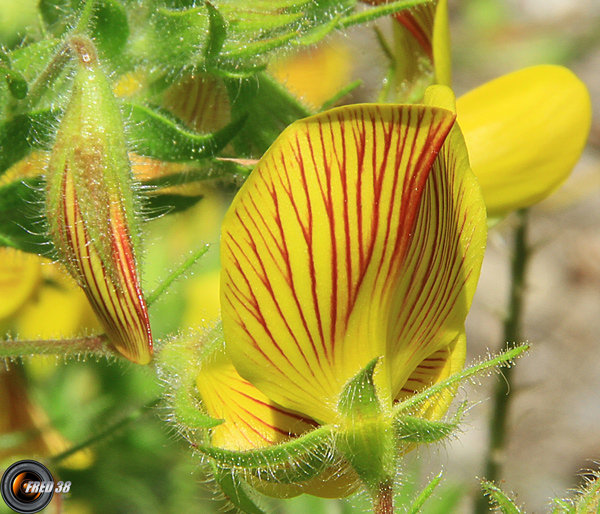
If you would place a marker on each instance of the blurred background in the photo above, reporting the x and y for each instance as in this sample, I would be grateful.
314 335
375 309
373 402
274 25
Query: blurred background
143 466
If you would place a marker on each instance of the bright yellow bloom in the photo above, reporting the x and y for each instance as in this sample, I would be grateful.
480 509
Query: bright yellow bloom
525 132
358 236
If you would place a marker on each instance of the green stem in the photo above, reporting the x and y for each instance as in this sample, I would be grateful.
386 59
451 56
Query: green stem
377 12
96 345
136 414
84 19
180 271
512 336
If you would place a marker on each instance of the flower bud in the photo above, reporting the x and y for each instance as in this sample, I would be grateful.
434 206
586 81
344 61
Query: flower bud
90 207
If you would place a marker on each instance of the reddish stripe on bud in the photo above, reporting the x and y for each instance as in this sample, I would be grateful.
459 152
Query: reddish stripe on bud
90 208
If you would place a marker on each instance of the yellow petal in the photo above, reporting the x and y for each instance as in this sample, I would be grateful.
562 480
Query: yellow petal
525 131
19 276
313 246
437 367
251 419
442 265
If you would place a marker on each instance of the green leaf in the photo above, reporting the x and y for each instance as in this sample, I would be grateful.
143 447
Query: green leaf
24 133
235 491
268 105
499 499
417 430
217 33
22 224
295 461
109 27
157 134
415 508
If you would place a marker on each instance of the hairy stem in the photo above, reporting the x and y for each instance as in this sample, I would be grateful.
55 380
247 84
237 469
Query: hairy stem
96 345
383 502
512 336
111 430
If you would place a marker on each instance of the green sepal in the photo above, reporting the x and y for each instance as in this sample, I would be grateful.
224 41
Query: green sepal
291 462
366 436
217 33
359 397
226 172
234 491
411 429
188 411
21 216
177 37
181 360
24 133
499 499
158 135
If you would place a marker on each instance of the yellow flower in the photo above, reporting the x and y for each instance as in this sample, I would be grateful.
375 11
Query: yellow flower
525 132
358 238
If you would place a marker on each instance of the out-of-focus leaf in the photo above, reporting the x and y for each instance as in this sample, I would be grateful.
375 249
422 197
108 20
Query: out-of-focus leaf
109 26
21 222
24 133
156 133
269 106
57 14
30 60
17 85
160 204
499 499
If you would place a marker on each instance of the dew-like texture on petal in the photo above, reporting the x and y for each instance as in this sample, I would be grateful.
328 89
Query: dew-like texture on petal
251 420
525 132
314 250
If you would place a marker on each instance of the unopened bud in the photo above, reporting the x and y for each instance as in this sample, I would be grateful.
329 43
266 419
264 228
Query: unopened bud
90 207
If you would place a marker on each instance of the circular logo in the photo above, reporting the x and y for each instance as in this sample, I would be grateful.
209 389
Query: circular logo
27 486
